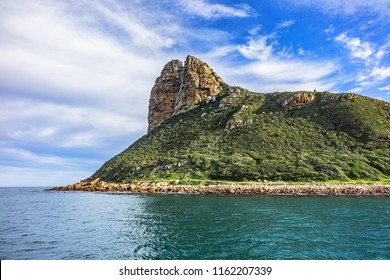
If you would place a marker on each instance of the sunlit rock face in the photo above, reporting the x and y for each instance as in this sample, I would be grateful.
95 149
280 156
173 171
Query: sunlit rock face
180 86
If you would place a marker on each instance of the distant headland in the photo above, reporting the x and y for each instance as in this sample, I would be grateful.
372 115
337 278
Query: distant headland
205 136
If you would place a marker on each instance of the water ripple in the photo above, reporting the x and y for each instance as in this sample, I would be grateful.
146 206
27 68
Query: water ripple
56 225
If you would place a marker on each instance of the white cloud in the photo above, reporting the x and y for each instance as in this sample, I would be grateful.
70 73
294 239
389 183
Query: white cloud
22 167
373 76
27 157
380 74
288 71
220 51
286 51
285 24
15 176
372 56
272 66
358 49
207 10
76 76
329 30
384 88
64 125
258 47
303 52
367 25
255 30
348 7
129 21
380 54
59 57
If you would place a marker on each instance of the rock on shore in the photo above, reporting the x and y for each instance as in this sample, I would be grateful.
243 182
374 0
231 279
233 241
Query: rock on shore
311 189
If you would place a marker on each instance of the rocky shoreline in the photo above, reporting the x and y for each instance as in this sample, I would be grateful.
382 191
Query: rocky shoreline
309 189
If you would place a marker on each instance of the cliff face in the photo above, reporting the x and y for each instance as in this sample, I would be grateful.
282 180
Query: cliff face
180 86
164 94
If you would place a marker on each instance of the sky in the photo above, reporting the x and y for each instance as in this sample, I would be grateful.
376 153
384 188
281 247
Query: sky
76 75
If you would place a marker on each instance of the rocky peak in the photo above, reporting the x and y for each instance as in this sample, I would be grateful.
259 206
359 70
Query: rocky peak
180 86
164 93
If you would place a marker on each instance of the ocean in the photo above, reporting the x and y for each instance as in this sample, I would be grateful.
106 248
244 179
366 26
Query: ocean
38 224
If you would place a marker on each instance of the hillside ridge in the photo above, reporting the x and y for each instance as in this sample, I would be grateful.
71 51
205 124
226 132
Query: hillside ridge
202 129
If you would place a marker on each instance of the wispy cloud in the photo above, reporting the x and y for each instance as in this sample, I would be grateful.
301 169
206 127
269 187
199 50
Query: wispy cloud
65 59
140 27
258 47
277 74
284 71
358 49
285 24
329 30
22 167
348 7
76 76
16 176
207 10
65 125
26 157
373 76
273 67
303 52
384 88
371 55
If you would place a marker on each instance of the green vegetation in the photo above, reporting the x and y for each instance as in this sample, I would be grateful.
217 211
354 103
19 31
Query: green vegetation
342 137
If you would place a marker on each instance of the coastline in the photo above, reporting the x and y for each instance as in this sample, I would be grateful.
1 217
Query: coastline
264 189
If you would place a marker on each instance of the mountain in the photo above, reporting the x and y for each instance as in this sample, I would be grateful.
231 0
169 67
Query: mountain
200 128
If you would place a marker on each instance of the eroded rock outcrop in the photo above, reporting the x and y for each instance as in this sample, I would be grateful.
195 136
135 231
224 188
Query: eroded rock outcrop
297 99
180 86
164 93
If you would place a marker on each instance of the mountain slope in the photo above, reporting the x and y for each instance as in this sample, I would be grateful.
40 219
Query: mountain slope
240 135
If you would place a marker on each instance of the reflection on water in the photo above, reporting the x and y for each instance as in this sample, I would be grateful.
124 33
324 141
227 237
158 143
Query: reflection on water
211 227
56 225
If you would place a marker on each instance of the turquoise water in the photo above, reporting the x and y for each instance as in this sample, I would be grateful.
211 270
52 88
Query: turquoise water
75 225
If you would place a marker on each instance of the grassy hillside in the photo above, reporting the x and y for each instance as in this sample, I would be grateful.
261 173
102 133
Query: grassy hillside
251 136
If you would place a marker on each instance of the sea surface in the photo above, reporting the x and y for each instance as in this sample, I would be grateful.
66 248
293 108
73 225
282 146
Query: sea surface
36 224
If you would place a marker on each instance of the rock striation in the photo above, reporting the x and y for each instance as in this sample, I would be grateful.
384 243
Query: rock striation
180 86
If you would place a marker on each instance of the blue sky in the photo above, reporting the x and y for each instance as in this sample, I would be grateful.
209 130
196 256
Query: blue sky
75 76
